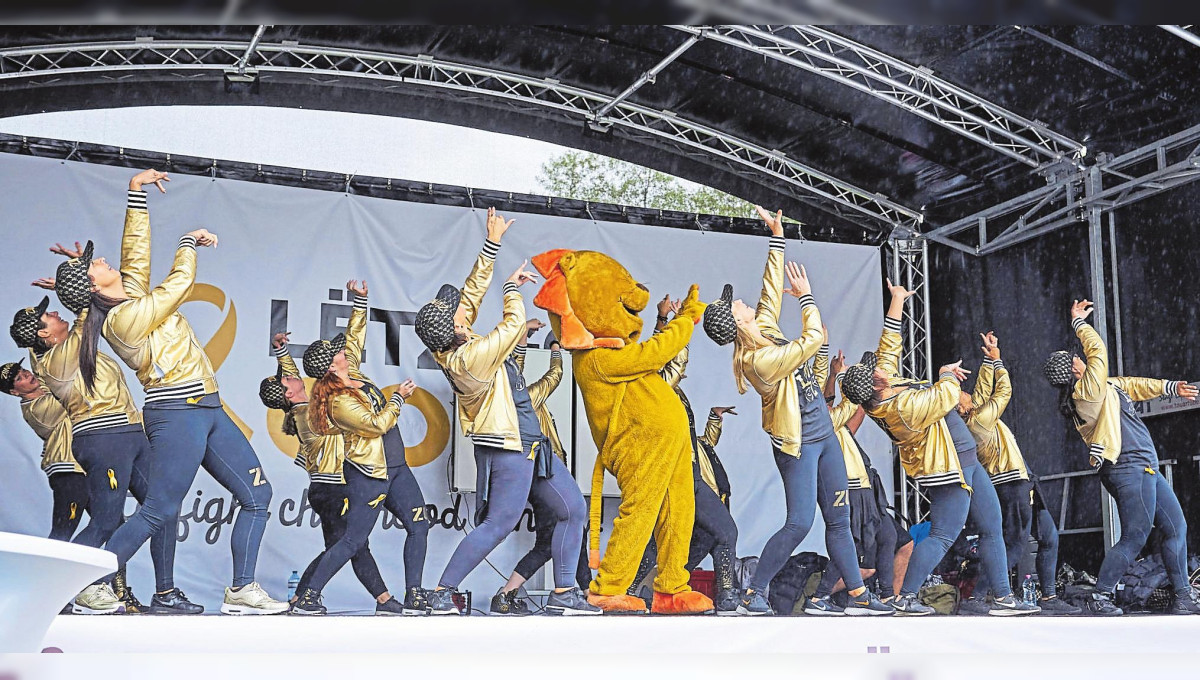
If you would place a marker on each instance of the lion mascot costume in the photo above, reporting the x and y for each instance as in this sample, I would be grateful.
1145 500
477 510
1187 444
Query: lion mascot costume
638 423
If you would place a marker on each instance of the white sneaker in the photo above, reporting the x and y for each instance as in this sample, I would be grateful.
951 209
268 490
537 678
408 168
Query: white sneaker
97 598
251 599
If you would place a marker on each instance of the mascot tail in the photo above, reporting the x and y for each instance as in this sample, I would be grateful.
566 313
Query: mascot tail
597 515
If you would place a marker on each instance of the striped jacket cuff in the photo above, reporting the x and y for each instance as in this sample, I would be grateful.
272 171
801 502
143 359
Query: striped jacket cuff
997 364
360 301
807 301
890 324
280 351
397 398
136 200
823 351
1076 323
1172 388
949 375
555 354
490 249
188 242
521 350
778 243
510 287
713 416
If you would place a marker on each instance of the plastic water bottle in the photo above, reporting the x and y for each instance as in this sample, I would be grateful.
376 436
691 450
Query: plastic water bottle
1029 590
294 583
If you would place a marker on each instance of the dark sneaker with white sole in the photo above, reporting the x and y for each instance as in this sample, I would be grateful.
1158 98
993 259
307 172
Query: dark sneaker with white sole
823 606
1056 606
910 605
974 606
726 603
1184 603
571 602
1101 604
1011 606
754 604
416 602
508 604
867 603
173 602
308 604
441 602
390 608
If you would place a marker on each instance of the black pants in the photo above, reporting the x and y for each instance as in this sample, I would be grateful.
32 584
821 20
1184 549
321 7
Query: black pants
70 501
544 523
874 533
327 501
364 497
405 501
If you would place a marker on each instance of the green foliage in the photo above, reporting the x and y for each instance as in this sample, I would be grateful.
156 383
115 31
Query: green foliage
590 177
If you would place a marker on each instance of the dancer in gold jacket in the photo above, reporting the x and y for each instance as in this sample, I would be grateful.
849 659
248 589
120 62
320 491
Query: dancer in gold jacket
183 415
1100 407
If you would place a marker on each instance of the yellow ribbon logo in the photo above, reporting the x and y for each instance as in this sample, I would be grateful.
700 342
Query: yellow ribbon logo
377 501
218 346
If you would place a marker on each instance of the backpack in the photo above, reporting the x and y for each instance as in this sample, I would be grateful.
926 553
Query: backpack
943 597
1138 588
787 588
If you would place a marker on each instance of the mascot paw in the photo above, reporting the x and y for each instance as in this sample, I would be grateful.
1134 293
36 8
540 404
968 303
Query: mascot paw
688 602
618 604
692 307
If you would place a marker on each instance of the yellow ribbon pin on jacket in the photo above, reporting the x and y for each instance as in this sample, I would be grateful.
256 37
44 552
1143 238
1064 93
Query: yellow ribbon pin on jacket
112 479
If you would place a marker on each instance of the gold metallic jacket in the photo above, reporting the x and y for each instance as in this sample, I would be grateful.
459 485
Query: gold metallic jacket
321 455
353 416
915 418
486 411
147 332
540 391
770 369
49 421
1097 401
994 442
673 373
109 405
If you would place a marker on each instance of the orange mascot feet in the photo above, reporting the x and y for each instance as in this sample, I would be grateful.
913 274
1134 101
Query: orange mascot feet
619 604
688 602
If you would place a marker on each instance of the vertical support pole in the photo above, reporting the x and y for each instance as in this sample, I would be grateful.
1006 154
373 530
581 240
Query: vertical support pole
1116 292
910 268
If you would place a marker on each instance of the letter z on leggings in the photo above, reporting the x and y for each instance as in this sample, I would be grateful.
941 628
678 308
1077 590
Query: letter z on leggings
184 440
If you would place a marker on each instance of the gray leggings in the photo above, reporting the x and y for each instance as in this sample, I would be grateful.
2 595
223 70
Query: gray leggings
510 485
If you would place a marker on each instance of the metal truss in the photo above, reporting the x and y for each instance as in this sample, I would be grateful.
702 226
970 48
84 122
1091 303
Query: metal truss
184 59
912 88
1071 194
1185 32
909 267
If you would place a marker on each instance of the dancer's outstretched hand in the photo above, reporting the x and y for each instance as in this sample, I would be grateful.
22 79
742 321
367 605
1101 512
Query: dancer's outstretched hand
149 177
406 388
1081 309
956 370
60 249
899 291
204 238
280 340
1189 391
523 276
991 345
774 222
720 411
496 226
838 363
354 287
46 282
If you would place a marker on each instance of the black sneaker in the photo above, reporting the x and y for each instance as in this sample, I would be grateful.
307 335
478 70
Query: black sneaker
1184 603
508 604
867 603
973 606
132 604
441 602
753 603
1056 606
823 606
416 602
910 605
571 602
173 602
1011 606
68 608
390 608
1101 604
308 604
726 603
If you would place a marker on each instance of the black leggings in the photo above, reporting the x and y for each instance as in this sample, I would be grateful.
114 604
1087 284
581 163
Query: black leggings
364 498
405 501
70 501
544 519
327 501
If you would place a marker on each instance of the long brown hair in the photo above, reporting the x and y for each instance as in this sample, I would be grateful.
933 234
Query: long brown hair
98 311
329 387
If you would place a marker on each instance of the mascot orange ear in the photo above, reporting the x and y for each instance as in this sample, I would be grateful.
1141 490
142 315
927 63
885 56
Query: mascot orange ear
554 298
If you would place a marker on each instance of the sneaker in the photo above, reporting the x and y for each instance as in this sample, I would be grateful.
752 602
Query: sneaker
571 602
1011 606
68 608
441 602
910 605
125 594
508 604
416 602
173 602
390 608
726 603
867 603
308 603
1056 606
974 606
1184 603
98 598
752 603
1101 604
250 600
823 606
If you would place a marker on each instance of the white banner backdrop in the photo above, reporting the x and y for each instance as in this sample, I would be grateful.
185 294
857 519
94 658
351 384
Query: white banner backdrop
284 258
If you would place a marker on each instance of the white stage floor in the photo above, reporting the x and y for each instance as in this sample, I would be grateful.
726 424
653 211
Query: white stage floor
483 635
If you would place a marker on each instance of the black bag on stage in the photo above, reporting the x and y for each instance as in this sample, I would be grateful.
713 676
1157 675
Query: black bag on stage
1138 590
788 585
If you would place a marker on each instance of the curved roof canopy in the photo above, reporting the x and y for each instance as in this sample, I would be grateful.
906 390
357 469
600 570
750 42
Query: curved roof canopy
850 128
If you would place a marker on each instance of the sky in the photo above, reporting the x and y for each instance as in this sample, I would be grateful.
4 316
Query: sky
355 143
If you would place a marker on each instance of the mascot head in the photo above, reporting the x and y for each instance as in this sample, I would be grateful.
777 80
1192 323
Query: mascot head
593 301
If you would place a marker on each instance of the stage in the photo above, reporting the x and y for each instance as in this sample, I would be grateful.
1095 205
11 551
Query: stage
700 636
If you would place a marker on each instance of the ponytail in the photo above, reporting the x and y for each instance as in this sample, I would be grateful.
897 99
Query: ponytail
289 422
1066 404
98 311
